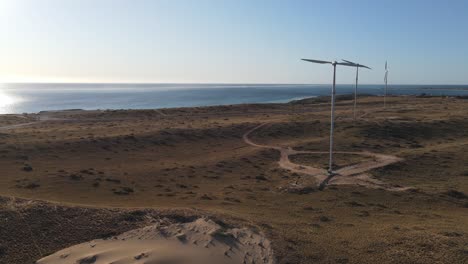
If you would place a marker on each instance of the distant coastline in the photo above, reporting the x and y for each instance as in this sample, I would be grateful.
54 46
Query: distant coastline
447 88
33 98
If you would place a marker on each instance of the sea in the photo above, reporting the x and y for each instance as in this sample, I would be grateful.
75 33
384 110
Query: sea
16 98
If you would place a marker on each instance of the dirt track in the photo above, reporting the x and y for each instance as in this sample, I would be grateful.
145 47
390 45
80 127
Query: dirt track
41 117
354 174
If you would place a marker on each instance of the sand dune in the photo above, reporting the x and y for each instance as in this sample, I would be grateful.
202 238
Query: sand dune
197 242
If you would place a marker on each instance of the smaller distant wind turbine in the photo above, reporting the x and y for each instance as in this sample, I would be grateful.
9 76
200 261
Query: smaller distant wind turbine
386 80
357 65
332 115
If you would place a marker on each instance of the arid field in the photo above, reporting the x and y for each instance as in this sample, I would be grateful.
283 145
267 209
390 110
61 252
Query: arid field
400 196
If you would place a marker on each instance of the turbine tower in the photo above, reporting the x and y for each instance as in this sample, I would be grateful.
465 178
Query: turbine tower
385 79
355 87
332 114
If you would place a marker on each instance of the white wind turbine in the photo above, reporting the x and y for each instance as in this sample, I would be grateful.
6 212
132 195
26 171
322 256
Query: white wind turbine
385 79
355 87
332 115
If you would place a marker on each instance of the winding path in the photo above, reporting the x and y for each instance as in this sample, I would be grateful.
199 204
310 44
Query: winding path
350 175
41 117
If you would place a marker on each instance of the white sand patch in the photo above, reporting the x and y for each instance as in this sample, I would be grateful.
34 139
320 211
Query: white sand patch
197 242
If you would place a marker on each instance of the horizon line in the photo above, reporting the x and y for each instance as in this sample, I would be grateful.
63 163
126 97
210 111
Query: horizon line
226 83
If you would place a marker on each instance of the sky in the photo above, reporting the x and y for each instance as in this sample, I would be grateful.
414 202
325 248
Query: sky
238 41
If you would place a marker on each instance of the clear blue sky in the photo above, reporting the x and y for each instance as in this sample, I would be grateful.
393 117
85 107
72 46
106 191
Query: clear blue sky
251 41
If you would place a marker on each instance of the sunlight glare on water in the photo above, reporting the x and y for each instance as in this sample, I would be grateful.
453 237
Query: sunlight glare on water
7 102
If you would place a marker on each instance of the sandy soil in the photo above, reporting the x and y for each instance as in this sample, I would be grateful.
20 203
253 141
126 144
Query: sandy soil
90 167
353 174
200 241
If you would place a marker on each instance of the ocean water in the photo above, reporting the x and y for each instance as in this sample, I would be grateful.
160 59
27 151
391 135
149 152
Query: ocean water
31 98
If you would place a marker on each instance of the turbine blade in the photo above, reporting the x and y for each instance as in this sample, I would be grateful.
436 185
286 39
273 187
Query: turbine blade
349 61
385 65
317 61
357 64
347 64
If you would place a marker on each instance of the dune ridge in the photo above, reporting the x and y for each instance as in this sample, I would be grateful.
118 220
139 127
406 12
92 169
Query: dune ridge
197 242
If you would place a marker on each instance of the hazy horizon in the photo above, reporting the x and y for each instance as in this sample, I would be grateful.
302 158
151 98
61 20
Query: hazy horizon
231 83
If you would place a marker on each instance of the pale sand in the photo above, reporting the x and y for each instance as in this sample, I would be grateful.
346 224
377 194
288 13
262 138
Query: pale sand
197 242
